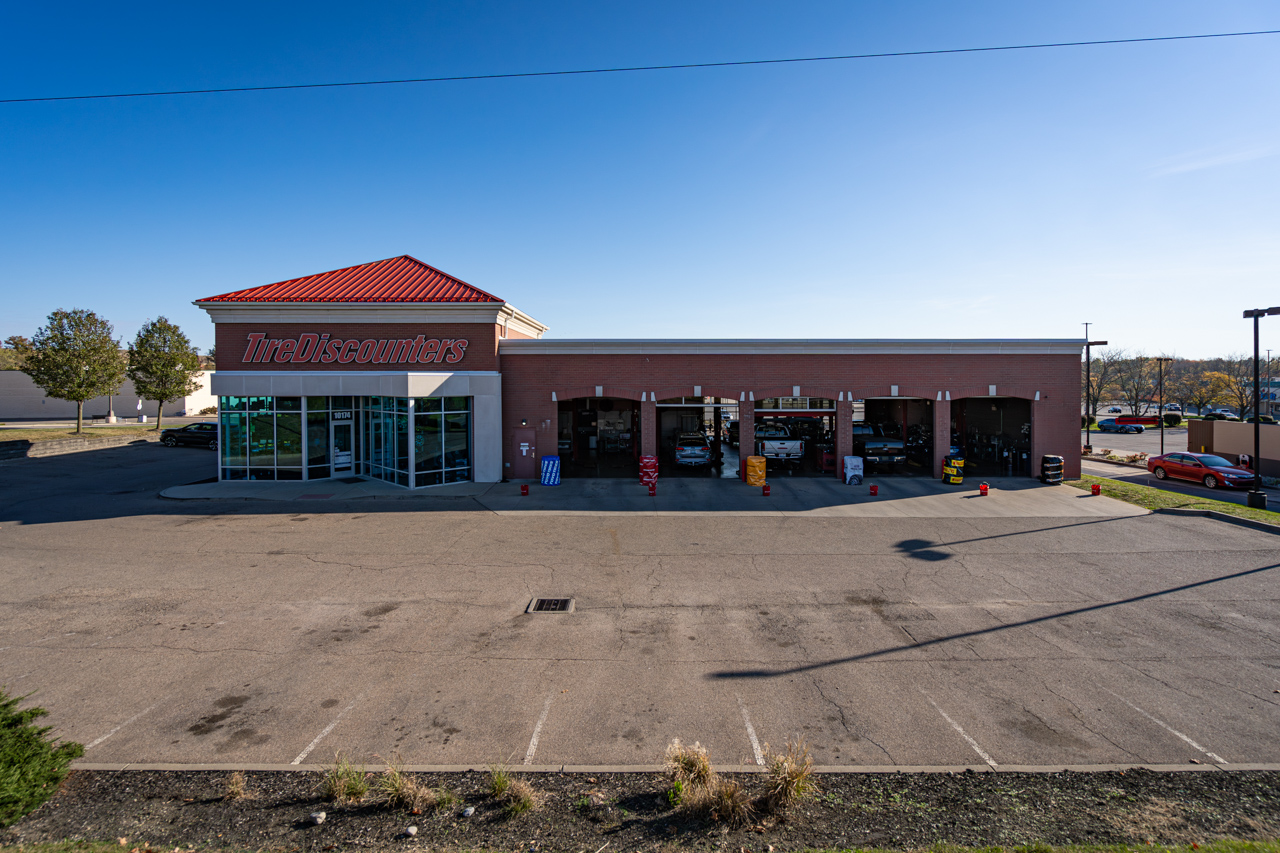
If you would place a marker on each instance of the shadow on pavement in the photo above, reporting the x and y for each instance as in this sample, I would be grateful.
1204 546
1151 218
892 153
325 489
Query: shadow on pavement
964 635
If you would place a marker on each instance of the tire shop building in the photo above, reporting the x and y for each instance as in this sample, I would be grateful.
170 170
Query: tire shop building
398 371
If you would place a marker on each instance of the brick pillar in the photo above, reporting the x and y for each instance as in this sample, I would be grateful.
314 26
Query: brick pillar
844 433
649 428
746 434
941 434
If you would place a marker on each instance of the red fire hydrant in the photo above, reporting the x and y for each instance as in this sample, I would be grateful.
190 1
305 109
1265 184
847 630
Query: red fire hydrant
524 490
1096 488
765 490
875 490
982 488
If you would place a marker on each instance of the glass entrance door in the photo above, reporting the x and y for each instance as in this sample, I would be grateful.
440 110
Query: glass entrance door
342 447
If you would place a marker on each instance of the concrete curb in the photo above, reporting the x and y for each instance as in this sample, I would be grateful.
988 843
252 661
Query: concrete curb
657 768
1221 516
25 449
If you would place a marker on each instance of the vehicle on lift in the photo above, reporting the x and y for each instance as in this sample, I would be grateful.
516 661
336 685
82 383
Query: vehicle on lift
1206 468
1110 425
692 448
774 441
876 448
194 435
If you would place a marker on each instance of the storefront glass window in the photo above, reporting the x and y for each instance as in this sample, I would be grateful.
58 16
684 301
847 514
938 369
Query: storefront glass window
259 404
232 404
288 404
317 404
233 441
289 439
262 440
442 441
318 440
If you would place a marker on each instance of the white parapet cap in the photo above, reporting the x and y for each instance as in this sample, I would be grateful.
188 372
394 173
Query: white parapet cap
498 313
924 346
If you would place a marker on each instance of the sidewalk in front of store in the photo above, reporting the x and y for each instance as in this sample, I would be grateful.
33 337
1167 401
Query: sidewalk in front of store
905 497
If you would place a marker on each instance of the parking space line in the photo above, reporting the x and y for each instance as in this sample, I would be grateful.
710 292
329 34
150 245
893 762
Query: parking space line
302 755
973 743
121 726
1217 759
537 730
751 733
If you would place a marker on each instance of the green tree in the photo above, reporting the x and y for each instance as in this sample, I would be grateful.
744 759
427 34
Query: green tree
75 358
15 346
163 364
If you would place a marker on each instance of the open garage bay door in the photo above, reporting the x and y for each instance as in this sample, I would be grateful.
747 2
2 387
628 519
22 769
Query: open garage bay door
994 433
684 423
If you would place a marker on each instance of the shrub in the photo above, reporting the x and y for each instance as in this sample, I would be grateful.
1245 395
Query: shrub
724 801
790 775
344 782
1172 420
31 764
209 410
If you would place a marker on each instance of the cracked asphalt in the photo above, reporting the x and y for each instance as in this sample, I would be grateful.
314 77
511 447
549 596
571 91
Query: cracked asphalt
244 632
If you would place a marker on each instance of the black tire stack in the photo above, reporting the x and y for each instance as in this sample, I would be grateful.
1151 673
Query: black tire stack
953 470
1051 470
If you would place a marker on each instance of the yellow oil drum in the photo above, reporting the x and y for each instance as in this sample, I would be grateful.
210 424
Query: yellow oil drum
755 471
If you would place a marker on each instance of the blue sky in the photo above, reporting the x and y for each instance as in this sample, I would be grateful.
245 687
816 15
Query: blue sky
1013 194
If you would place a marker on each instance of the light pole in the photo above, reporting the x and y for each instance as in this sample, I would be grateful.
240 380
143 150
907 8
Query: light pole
1257 498
1160 360
1088 384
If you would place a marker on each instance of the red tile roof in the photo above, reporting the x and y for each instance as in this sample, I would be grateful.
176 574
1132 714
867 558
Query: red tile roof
402 279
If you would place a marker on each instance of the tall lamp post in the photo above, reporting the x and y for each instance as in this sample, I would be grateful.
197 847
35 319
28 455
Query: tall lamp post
1257 498
1088 383
1160 362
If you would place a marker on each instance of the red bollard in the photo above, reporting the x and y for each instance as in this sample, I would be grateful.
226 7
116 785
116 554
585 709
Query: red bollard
875 490
524 490
982 488
1096 488
765 490
653 489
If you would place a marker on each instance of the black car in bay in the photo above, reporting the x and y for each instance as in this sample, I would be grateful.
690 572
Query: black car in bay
195 435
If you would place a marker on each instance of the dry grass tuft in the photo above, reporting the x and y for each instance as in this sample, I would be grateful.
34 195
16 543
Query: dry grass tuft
344 782
237 787
499 780
689 766
723 801
790 775
399 789
520 797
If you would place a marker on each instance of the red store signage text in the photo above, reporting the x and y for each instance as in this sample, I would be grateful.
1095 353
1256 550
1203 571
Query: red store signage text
309 348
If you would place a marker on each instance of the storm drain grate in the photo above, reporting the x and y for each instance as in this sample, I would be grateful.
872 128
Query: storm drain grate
550 605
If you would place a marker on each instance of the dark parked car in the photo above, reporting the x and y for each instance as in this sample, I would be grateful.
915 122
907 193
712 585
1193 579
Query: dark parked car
197 435
1213 471
1110 425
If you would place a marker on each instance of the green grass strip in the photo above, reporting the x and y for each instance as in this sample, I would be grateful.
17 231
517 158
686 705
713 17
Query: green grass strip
1152 498
89 433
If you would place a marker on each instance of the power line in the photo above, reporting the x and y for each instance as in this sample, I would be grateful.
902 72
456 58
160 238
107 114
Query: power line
633 68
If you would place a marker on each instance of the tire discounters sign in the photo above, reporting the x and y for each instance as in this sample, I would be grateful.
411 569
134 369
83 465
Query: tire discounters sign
313 348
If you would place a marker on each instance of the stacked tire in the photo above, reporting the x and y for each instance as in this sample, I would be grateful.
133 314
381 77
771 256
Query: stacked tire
953 470
755 471
1051 469
648 470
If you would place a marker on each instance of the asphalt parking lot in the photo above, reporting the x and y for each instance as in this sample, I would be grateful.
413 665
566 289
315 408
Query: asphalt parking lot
258 632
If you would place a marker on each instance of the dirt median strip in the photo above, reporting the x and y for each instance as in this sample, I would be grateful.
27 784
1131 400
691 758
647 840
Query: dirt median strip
641 810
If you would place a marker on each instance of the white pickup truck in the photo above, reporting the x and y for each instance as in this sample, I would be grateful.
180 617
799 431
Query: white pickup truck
774 441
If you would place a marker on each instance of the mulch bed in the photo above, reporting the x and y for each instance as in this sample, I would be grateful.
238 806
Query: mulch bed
631 811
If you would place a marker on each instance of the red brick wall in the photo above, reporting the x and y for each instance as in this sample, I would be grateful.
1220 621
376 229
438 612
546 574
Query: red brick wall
480 353
528 381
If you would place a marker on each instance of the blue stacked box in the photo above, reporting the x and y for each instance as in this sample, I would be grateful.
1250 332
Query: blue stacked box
551 470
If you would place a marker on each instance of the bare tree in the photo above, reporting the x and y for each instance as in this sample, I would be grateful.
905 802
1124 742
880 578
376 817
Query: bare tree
1135 379
1233 381
1101 378
1192 386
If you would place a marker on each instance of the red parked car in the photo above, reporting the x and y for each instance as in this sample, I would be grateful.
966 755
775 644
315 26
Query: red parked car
1213 471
